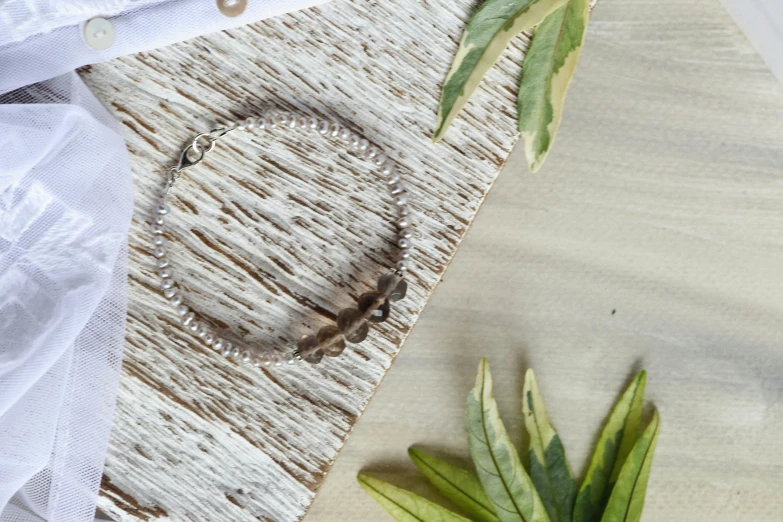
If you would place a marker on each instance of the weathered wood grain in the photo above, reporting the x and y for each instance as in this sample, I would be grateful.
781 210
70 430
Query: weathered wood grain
271 238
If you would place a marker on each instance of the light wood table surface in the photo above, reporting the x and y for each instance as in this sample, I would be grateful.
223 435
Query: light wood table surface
652 238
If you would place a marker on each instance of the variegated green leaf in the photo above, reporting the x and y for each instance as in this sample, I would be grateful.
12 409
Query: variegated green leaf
546 73
501 473
627 498
405 506
617 438
457 484
549 468
490 29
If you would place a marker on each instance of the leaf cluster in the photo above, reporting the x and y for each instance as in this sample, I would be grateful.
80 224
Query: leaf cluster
502 490
549 64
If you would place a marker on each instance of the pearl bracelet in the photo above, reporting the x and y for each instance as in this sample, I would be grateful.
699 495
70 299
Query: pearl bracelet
352 323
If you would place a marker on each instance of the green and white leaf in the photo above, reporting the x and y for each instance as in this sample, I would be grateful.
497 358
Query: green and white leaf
614 444
459 485
627 499
546 73
487 34
501 473
405 506
549 469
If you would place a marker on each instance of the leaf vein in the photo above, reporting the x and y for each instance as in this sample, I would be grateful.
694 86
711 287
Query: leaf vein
492 455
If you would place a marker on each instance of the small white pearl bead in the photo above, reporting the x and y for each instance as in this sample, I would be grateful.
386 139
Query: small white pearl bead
387 168
168 293
372 152
404 254
162 209
159 241
166 283
345 134
157 229
209 339
159 252
194 326
397 188
380 159
407 233
404 243
182 310
260 124
401 199
312 123
363 145
203 331
281 119
227 350
188 318
354 140
290 359
158 220
277 360
250 123
266 359
393 180
403 222
240 126
176 299
323 128
218 344
255 361
236 352
292 122
246 357
405 210
166 273
163 262
302 123
402 265
270 123
334 130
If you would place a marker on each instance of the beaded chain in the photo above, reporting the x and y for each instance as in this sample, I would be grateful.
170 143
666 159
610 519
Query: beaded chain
352 323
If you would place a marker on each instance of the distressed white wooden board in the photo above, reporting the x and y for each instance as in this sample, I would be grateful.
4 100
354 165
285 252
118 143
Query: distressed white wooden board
271 238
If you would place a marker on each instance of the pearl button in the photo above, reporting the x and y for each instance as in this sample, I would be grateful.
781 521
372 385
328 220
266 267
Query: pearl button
99 33
232 8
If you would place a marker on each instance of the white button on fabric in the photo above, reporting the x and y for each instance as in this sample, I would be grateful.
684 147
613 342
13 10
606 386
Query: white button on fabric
99 33
232 8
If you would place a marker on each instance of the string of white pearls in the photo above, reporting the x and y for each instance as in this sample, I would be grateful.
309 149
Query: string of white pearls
358 146
355 144
188 318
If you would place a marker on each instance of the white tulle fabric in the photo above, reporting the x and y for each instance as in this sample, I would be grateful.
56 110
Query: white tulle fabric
65 209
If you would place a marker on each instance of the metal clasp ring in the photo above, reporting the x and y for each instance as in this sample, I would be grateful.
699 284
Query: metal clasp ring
186 160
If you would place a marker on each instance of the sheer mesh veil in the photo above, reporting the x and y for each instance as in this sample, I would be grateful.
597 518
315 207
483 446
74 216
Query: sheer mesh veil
65 208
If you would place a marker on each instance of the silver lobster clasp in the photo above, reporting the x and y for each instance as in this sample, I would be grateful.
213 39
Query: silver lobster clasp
195 152
186 159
